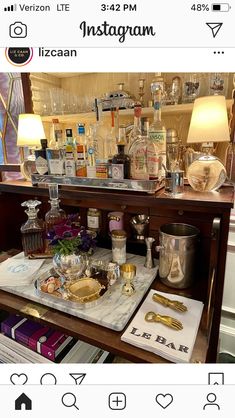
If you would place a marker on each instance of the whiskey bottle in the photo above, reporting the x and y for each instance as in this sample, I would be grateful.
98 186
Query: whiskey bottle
32 230
156 153
121 162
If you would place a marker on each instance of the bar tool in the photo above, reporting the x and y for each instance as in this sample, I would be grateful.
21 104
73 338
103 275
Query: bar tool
139 224
165 320
173 304
149 263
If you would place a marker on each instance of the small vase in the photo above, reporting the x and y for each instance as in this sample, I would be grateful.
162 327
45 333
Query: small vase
70 266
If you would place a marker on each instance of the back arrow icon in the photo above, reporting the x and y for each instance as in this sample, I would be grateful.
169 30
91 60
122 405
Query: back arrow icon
215 27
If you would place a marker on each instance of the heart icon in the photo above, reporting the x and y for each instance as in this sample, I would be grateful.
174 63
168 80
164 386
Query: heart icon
164 400
18 379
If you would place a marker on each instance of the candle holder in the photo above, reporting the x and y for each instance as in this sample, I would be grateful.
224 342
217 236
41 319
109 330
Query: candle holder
128 273
141 91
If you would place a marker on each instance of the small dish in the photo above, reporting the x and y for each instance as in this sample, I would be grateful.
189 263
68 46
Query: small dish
85 290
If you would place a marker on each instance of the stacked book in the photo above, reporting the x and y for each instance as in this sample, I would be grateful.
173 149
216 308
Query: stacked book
25 341
174 341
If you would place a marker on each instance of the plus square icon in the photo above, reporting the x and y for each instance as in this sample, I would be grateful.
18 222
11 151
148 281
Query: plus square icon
117 400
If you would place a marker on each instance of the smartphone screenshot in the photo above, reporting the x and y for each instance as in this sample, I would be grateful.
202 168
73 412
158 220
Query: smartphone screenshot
117 170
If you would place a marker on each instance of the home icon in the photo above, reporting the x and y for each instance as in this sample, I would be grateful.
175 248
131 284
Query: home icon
23 402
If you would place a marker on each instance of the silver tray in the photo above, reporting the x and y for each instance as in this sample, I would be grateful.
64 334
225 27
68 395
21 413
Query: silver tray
149 186
63 300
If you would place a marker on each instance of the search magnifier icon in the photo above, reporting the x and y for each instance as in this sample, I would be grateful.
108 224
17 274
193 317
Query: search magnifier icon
69 399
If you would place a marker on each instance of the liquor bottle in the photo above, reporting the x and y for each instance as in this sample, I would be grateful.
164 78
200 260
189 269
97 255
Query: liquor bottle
55 214
32 230
136 130
156 152
111 138
81 161
55 153
100 132
56 140
70 169
110 143
138 156
41 158
121 162
91 156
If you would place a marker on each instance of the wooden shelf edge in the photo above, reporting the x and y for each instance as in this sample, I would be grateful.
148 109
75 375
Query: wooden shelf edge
146 111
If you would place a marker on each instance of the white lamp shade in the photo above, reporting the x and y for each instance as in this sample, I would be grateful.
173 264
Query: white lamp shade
209 121
30 130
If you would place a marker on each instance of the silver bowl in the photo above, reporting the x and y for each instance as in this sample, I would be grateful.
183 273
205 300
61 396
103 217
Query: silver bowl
70 266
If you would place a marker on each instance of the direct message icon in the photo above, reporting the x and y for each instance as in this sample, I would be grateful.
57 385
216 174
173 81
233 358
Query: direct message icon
164 400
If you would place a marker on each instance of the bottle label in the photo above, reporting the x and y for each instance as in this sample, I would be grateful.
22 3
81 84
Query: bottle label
158 137
56 166
41 165
118 171
139 164
93 221
70 168
153 161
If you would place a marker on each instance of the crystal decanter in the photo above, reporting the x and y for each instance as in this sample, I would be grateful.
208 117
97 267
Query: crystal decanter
55 215
32 231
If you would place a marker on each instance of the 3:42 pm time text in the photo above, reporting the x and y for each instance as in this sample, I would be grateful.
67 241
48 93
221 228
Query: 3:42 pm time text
125 7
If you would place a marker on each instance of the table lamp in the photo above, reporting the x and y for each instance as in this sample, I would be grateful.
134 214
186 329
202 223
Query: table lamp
30 132
209 123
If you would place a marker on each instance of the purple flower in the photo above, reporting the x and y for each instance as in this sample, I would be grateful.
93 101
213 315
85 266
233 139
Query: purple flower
68 236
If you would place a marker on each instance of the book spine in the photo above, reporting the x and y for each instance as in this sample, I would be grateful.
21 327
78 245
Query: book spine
11 331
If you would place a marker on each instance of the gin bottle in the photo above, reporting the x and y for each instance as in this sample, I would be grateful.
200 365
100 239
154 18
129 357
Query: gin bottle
156 153
32 231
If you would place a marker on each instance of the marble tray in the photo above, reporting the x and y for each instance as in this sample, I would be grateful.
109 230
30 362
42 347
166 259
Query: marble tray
115 310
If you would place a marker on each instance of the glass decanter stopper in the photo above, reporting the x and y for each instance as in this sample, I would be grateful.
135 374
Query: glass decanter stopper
32 230
55 215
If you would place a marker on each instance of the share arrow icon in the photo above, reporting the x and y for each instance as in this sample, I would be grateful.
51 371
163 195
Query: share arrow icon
78 377
215 27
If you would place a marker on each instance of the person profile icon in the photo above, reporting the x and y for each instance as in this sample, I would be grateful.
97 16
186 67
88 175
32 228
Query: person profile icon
211 398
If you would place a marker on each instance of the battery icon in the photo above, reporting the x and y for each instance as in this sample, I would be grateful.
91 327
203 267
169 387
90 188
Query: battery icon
220 7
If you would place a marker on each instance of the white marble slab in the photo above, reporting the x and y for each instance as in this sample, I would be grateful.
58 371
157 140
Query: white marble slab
114 310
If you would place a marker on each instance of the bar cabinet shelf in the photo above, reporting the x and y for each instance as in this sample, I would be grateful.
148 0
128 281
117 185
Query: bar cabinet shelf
210 212
146 111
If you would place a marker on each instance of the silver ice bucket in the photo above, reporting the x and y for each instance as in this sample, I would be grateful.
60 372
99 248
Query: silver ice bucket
178 246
